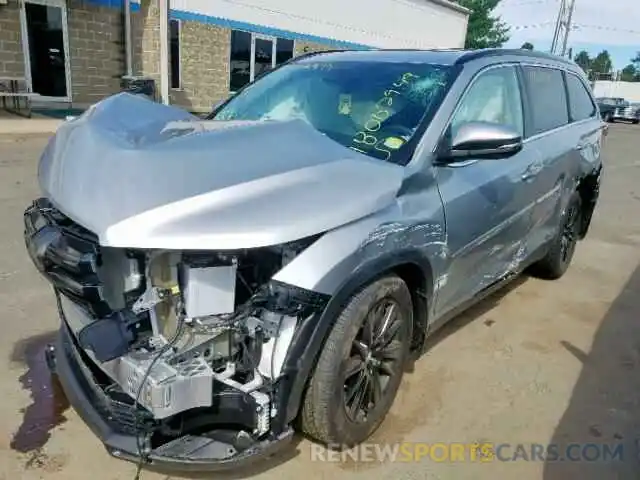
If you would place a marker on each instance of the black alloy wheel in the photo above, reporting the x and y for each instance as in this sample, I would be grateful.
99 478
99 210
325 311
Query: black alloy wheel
374 360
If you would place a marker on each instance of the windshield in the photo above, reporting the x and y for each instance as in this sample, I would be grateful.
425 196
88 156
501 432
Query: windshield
372 107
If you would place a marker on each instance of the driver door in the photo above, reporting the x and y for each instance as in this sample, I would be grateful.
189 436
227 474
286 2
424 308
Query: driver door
487 202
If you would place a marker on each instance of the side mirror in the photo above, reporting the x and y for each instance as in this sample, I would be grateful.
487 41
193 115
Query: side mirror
484 140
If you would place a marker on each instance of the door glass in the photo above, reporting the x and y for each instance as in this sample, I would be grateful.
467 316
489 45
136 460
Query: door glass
494 97
46 50
549 105
264 56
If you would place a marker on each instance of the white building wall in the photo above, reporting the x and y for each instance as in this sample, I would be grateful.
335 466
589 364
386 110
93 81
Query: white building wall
372 23
630 91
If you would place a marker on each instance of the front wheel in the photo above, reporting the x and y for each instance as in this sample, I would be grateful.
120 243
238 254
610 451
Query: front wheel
361 365
563 246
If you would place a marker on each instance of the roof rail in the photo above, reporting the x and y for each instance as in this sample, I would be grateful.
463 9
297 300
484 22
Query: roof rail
491 52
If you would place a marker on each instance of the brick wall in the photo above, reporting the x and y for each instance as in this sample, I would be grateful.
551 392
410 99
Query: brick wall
301 47
145 40
11 55
204 64
97 50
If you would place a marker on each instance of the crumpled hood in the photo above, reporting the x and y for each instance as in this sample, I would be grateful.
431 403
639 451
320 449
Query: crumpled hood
138 175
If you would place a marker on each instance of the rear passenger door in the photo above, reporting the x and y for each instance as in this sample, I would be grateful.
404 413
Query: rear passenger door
560 136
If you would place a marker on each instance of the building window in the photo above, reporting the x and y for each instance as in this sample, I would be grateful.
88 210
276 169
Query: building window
174 42
253 54
284 50
240 61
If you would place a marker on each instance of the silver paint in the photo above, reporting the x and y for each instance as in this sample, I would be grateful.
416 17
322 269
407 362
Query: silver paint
138 175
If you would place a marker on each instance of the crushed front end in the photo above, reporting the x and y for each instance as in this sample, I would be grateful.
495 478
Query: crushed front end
172 357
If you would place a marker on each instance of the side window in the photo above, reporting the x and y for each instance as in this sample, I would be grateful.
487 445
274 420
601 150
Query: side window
493 97
580 102
548 98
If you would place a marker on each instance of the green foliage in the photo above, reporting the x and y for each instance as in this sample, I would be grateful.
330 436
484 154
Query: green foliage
527 46
484 29
602 63
583 59
630 73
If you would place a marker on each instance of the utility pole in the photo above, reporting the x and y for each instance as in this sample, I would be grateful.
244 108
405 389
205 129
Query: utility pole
563 27
558 27
568 26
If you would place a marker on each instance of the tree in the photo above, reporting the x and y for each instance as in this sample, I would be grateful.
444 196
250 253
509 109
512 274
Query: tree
635 61
630 74
583 60
527 46
602 63
484 30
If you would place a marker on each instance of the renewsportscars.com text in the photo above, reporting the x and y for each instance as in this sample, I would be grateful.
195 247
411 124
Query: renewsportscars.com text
471 452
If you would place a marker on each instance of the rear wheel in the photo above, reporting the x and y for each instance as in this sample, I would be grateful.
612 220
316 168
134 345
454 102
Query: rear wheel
361 366
608 117
563 246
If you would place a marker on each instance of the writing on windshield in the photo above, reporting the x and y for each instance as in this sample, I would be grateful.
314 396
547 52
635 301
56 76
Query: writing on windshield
372 107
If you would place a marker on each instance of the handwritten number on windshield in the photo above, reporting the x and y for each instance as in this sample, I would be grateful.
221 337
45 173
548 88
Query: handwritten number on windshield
365 137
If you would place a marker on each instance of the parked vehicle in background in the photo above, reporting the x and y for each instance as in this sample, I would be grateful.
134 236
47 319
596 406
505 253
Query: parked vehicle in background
617 108
630 112
221 281
607 106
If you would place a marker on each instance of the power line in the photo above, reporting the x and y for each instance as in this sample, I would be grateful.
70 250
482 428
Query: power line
519 3
609 29
531 25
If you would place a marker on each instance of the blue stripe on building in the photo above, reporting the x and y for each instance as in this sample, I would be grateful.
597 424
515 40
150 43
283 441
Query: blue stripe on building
236 25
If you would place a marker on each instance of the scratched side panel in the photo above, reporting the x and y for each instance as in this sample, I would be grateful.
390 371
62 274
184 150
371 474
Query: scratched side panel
414 221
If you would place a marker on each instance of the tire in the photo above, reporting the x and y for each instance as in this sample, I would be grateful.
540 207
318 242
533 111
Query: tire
608 117
635 122
558 258
327 415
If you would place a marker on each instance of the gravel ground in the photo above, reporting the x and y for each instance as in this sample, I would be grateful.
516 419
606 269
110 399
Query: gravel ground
541 362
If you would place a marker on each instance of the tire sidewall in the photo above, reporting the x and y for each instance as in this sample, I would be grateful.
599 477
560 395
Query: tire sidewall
342 427
559 264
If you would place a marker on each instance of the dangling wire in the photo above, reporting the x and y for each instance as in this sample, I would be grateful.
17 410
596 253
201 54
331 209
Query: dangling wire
140 433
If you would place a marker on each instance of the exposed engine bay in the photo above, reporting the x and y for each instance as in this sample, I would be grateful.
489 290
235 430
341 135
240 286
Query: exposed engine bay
167 326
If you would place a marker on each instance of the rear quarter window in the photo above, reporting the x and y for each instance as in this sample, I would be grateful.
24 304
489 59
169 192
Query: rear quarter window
581 105
548 98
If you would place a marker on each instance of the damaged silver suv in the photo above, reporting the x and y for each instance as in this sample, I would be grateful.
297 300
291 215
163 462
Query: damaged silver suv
278 263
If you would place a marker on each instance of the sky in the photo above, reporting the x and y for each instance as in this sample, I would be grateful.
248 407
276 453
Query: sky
613 25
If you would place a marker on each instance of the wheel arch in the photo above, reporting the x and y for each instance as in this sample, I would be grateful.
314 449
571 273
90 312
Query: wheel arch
589 189
410 265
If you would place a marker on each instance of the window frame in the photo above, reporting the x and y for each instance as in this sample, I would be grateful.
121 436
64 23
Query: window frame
594 111
177 22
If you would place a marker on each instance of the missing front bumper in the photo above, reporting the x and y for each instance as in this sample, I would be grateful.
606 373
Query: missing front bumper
208 450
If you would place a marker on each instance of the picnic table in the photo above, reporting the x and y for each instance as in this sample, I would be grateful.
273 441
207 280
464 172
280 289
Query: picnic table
12 92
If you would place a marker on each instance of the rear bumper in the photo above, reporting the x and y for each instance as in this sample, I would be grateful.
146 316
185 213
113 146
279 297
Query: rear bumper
628 118
206 452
